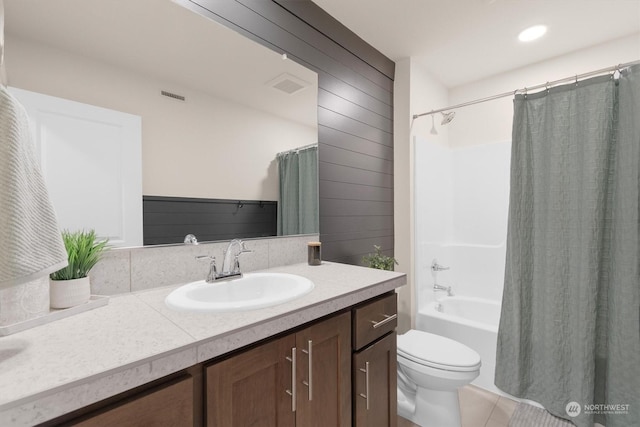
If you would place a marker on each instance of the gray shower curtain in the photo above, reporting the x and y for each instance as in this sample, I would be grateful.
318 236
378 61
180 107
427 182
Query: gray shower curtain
298 204
569 335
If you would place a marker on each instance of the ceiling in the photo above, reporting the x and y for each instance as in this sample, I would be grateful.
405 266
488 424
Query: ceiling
172 44
461 41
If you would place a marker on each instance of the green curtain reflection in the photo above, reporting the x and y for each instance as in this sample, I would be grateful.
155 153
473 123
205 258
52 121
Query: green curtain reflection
298 204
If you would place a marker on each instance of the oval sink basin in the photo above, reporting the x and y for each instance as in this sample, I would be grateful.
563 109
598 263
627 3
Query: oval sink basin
252 291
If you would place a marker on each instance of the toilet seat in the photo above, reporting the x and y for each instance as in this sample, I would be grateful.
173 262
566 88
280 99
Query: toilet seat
437 352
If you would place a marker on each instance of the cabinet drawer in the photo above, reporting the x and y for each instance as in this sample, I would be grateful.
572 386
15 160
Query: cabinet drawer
166 405
373 320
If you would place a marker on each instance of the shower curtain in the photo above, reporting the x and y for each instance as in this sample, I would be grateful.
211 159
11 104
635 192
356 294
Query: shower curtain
298 205
569 335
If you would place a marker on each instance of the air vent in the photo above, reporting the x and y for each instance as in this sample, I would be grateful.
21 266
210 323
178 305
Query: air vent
172 95
288 83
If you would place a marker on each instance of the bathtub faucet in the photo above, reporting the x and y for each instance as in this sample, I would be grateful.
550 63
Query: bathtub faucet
447 289
435 267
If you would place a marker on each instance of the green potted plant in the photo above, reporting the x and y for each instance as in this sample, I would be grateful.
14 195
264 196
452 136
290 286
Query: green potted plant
70 286
379 260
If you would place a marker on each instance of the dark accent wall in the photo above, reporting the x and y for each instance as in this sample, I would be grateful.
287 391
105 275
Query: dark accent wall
169 219
355 115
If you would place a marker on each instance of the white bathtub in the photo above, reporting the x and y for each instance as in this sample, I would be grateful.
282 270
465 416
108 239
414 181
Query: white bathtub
471 321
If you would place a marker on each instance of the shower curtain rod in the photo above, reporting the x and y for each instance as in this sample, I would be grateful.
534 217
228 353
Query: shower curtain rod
524 90
295 150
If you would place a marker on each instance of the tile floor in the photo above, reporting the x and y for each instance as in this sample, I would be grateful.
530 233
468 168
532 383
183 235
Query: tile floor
479 408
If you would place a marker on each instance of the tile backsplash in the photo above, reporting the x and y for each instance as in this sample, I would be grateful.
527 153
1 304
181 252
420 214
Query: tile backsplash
137 269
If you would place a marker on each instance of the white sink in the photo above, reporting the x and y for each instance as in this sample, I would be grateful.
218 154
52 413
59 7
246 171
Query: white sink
252 291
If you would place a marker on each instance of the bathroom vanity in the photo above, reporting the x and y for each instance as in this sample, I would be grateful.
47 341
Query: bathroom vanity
327 358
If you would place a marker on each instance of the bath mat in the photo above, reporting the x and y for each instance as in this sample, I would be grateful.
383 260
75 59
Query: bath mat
529 416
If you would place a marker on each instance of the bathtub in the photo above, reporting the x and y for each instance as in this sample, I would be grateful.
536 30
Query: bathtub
471 321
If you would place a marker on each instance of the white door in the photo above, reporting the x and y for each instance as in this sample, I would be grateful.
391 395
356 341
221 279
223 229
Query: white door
92 163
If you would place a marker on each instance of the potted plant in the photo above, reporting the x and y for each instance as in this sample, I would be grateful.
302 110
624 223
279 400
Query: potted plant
379 260
70 286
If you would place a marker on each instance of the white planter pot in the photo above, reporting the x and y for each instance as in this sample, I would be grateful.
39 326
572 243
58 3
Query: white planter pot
69 293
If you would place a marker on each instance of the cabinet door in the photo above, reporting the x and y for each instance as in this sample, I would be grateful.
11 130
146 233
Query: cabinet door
250 389
374 384
324 373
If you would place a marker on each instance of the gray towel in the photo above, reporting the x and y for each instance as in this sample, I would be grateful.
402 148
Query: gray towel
30 241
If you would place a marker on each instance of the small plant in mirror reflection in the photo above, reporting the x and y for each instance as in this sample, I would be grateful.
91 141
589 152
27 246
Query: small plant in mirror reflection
83 251
379 260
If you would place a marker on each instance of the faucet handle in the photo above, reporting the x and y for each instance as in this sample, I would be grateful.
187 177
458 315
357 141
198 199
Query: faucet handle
213 271
437 267
212 259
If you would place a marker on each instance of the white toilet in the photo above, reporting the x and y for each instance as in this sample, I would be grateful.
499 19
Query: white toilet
431 368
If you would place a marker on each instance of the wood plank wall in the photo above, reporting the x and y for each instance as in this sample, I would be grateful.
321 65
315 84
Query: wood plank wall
355 115
169 219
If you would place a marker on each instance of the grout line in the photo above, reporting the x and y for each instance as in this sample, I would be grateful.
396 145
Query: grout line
495 405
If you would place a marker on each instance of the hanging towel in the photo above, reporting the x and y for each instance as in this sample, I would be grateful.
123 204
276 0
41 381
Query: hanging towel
31 245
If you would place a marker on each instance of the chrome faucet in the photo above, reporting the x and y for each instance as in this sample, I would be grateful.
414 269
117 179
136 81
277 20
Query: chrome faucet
229 271
435 268
447 289
231 263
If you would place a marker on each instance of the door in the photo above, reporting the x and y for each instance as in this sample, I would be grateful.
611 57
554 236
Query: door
374 384
90 157
324 373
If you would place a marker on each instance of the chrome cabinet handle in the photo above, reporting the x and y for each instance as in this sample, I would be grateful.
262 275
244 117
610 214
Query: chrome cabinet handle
309 352
365 396
387 319
292 392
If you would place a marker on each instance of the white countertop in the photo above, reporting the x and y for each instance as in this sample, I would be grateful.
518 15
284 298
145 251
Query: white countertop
56 368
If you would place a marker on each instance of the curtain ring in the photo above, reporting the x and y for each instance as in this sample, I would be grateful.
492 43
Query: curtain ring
547 87
525 92
618 70
576 80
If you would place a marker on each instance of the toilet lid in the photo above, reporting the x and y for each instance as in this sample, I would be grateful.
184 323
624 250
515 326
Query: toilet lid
437 351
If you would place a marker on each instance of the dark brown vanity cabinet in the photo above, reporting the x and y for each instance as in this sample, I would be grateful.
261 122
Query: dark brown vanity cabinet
374 363
338 371
301 379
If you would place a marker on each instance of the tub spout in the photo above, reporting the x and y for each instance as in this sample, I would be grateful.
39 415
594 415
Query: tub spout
447 289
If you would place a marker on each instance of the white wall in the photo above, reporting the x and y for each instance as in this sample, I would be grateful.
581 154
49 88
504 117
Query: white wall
462 176
204 147
415 91
491 121
402 193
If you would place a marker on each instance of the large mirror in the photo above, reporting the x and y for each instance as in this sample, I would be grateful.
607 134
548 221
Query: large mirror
215 108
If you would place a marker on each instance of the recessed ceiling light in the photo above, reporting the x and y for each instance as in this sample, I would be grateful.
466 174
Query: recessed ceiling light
532 33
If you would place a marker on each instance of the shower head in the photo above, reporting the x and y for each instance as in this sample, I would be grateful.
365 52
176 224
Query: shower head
447 117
